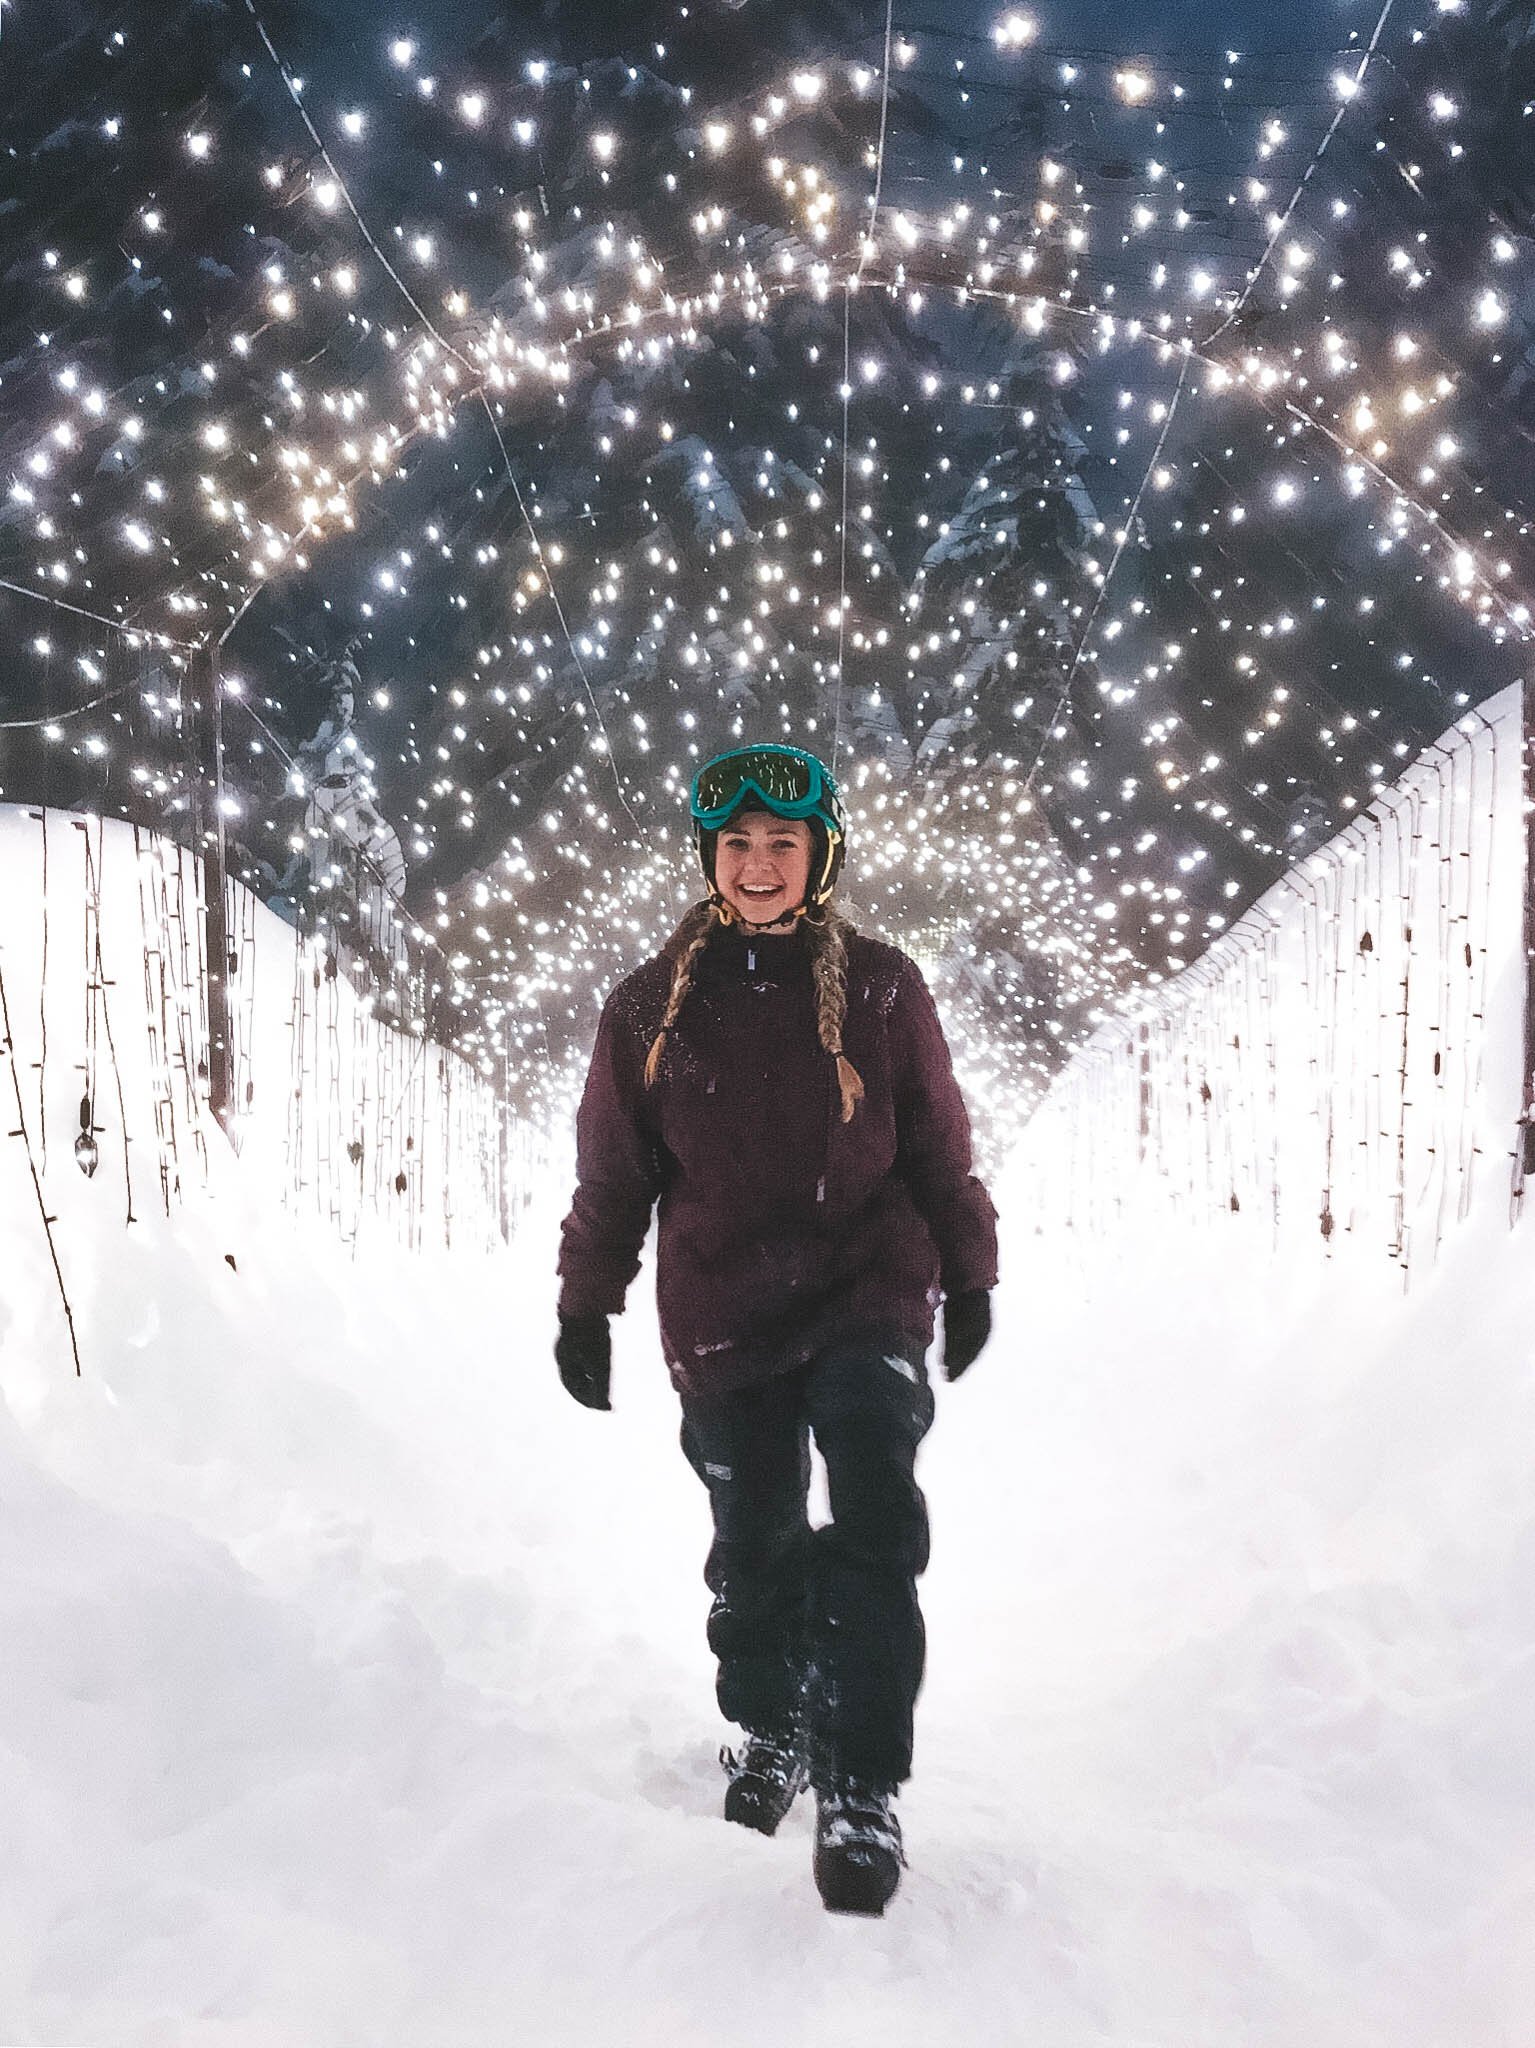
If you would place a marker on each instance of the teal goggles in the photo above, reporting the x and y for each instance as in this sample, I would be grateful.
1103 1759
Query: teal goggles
786 781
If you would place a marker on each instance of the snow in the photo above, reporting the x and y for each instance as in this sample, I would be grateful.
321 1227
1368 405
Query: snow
356 1690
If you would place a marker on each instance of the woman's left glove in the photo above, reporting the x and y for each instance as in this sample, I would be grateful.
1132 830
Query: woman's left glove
583 1351
966 1326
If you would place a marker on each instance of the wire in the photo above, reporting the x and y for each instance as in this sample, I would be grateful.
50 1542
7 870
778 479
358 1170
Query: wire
1168 55
866 249
474 372
8 1047
847 393
1523 629
133 633
884 114
1108 577
559 611
74 711
367 233
1306 177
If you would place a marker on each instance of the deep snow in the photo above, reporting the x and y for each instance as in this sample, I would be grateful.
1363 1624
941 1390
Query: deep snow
356 1690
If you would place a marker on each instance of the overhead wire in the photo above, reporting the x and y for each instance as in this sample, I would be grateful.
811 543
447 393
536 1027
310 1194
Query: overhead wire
866 246
1235 313
474 372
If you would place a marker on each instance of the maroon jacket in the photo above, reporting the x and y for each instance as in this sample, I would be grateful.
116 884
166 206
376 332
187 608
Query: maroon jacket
781 1227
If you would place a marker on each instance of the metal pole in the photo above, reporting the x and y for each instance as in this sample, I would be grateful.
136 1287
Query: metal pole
1524 1149
209 822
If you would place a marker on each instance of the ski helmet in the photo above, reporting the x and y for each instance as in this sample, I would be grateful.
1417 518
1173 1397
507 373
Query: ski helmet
785 781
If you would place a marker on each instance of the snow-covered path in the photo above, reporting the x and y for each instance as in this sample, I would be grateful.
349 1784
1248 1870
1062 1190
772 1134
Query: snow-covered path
356 1689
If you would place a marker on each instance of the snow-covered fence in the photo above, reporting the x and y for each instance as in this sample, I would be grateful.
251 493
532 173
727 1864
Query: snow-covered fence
1347 1056
339 1112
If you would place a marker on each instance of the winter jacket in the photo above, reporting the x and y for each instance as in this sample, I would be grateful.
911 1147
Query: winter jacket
781 1226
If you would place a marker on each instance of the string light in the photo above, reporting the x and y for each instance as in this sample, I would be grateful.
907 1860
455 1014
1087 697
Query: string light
1130 271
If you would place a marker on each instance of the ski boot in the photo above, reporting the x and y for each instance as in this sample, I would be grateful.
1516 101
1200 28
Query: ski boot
765 1779
858 1856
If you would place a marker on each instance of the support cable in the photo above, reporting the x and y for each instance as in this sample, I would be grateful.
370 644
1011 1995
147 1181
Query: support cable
1108 577
475 373
866 250
1284 219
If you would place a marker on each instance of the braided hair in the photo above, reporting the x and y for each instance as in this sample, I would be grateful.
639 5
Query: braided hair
687 941
826 934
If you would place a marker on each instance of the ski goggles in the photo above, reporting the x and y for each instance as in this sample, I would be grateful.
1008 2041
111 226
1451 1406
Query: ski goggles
791 784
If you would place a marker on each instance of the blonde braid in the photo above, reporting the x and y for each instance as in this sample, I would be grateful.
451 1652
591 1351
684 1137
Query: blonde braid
828 959
692 935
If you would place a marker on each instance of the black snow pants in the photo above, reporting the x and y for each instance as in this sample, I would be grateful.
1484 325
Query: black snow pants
818 1630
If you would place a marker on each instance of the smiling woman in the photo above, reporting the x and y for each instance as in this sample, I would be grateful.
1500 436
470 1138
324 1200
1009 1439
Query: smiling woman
792 1107
762 868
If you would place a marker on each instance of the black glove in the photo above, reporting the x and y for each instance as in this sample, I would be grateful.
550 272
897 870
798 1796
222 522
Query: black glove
583 1352
966 1326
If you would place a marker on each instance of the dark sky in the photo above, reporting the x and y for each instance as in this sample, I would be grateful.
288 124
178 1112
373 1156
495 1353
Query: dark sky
1146 26
1247 25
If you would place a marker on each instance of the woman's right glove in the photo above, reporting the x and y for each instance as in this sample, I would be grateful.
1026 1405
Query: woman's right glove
583 1351
966 1326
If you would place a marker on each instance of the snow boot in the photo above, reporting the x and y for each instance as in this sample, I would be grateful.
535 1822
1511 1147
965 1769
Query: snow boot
858 1855
764 1781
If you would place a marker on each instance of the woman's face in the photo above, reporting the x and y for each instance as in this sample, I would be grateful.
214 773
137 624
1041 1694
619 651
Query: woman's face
762 865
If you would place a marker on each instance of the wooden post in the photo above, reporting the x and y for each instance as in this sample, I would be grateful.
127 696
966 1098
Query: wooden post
208 822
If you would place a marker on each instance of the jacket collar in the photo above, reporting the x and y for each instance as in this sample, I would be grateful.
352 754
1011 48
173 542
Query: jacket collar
734 955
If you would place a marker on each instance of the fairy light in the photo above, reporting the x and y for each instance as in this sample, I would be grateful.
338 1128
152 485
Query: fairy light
1394 416
1015 31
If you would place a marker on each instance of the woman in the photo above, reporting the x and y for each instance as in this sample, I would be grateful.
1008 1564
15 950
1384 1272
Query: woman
780 1084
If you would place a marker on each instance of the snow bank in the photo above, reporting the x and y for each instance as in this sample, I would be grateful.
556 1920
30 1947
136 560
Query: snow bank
357 1692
